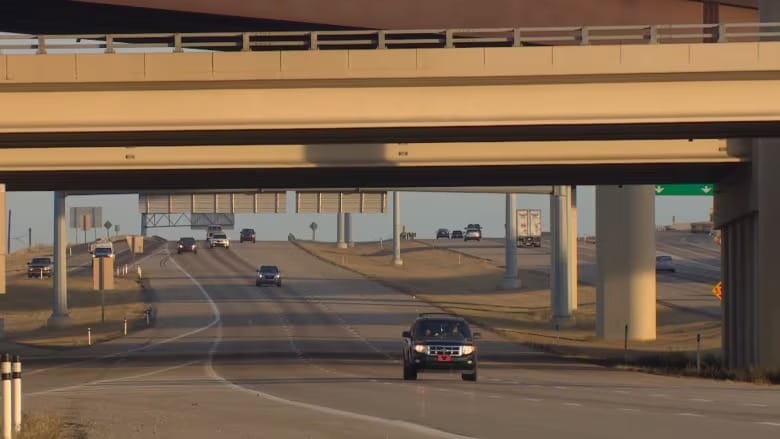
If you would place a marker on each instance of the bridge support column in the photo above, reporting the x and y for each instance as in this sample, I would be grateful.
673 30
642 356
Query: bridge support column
510 281
560 275
625 248
573 249
59 316
747 213
348 229
397 261
340 230
3 239
143 225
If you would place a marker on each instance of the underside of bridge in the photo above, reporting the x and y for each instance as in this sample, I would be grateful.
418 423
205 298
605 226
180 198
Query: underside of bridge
378 177
73 17
124 16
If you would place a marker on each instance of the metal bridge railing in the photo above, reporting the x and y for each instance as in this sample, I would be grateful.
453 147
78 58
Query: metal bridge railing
391 39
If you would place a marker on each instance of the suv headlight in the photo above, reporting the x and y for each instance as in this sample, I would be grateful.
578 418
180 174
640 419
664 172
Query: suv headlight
420 348
468 350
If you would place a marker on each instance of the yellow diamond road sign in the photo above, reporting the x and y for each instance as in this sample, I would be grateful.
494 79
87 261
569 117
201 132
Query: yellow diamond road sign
717 290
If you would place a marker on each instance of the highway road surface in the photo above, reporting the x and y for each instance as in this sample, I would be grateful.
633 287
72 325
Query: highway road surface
696 259
318 358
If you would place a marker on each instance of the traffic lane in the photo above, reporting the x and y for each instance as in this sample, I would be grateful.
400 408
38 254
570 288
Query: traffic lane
176 389
359 399
182 319
523 406
308 329
368 310
357 375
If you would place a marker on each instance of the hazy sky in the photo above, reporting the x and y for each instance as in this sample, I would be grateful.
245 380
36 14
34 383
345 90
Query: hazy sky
420 212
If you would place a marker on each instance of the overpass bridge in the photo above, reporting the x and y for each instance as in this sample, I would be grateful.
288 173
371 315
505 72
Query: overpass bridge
610 106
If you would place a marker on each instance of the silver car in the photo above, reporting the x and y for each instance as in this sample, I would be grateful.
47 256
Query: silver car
472 235
219 239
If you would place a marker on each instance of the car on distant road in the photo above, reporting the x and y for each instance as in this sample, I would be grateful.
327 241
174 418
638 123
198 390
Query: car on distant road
268 274
457 234
219 239
247 235
664 263
439 342
40 267
442 234
210 230
473 234
187 244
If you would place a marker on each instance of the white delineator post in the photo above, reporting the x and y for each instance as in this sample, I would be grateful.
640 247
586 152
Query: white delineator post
16 384
5 374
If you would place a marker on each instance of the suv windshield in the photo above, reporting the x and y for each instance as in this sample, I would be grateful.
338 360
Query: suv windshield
269 269
442 329
188 241
219 236
40 261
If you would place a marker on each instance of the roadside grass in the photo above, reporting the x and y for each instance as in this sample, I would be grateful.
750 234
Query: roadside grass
42 426
27 308
684 364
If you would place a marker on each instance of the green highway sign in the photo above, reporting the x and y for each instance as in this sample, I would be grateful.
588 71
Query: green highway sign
685 189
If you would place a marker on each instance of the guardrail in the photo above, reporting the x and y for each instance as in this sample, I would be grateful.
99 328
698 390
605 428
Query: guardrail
392 39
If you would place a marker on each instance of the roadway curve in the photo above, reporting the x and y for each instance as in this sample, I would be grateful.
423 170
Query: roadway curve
696 259
318 358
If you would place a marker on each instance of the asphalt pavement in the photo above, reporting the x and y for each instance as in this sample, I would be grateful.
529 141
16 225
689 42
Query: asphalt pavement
318 358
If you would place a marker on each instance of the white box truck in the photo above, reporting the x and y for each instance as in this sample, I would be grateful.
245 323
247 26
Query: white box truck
529 228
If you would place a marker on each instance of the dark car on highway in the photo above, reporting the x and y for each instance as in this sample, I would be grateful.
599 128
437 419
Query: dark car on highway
187 245
442 234
40 267
457 234
247 235
439 342
268 275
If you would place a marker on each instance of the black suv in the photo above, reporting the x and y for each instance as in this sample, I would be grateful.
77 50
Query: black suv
442 233
187 244
440 342
247 235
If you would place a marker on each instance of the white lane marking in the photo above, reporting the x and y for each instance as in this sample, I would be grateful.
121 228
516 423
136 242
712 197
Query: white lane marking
163 250
628 409
658 395
700 400
495 396
533 399
113 380
561 387
753 404
696 415
212 373
622 392
771 424
572 404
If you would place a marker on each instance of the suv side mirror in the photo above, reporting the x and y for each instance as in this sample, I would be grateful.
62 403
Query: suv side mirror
406 334
477 335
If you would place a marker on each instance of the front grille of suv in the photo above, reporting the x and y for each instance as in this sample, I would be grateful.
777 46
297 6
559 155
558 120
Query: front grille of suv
453 350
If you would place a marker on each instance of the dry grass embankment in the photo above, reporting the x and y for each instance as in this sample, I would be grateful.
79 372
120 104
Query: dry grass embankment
27 305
